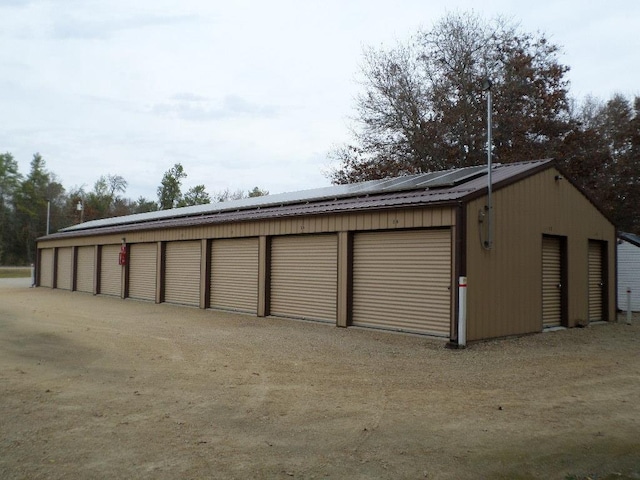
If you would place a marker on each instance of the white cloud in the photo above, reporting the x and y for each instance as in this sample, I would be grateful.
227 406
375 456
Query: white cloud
243 94
91 27
198 108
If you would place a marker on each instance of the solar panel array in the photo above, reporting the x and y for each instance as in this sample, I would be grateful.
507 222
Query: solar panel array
432 180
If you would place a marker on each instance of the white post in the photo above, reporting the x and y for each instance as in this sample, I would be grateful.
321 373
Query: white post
628 306
462 312
33 275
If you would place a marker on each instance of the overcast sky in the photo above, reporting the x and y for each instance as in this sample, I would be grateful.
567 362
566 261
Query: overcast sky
242 93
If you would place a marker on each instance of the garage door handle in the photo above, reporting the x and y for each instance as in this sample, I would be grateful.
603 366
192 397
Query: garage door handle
602 284
559 285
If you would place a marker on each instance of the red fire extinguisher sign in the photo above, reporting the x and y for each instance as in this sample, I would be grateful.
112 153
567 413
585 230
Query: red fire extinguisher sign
122 258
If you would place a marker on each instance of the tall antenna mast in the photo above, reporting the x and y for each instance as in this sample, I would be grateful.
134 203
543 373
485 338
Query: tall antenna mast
488 243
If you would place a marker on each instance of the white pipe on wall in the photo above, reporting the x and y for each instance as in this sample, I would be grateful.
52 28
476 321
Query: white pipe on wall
462 312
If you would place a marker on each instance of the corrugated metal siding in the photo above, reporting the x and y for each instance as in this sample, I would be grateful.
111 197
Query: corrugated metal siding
551 282
628 275
46 267
304 274
402 280
595 281
234 274
110 271
142 271
182 273
85 269
504 296
64 267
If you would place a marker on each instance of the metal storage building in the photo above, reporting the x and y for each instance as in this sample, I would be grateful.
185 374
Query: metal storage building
382 254
629 270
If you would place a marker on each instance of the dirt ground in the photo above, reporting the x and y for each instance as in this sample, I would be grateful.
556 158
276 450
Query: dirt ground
98 387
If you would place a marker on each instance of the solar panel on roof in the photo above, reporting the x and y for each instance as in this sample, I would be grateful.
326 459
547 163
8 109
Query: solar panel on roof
455 177
371 187
427 177
403 183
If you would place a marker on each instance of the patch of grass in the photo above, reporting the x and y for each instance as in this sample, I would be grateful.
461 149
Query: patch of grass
15 272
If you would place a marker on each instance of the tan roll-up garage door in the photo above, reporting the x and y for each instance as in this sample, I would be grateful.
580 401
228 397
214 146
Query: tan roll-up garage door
142 271
551 282
110 270
182 273
46 267
304 276
596 282
402 281
64 267
85 269
234 274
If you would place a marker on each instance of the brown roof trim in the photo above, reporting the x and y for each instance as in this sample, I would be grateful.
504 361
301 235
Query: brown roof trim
411 199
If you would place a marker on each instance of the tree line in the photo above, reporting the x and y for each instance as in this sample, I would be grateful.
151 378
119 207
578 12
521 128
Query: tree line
36 204
423 108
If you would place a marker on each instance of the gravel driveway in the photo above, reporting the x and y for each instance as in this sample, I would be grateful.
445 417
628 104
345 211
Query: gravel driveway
98 387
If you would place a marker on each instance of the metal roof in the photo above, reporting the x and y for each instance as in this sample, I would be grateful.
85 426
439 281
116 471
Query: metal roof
630 237
411 190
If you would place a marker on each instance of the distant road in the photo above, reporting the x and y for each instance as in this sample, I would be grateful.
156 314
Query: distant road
15 282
